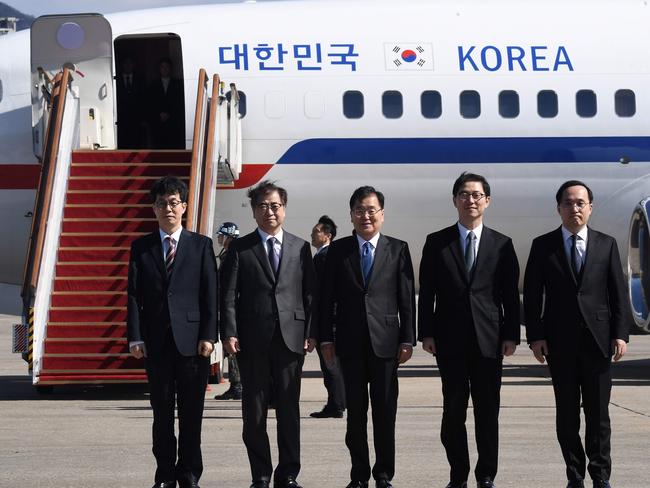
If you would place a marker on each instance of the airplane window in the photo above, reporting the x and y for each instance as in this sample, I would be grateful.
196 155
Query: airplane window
624 103
586 103
431 104
509 104
242 102
470 104
547 104
353 104
391 104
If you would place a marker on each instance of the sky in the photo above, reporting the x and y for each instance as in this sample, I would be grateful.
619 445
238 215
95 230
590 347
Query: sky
42 7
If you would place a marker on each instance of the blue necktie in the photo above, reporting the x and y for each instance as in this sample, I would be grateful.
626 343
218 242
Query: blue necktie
273 257
366 261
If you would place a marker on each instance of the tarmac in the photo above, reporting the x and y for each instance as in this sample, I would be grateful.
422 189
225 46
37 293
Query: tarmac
100 436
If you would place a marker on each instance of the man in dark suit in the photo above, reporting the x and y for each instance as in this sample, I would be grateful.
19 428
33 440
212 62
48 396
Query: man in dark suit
322 236
172 323
268 289
469 319
578 317
130 107
167 109
369 295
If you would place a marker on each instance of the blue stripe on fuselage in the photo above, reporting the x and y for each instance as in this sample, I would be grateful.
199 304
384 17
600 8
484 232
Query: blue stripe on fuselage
468 150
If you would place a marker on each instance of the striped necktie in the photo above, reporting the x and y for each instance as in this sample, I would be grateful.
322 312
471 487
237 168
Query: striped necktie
171 254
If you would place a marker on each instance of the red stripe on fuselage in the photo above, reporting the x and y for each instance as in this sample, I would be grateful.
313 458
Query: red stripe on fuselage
19 176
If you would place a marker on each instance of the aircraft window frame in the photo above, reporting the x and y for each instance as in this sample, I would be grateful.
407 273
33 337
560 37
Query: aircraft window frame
243 109
431 104
623 107
469 99
392 104
509 109
353 100
547 108
586 103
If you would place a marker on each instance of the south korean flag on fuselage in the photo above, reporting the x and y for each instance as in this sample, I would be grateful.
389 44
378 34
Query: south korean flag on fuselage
408 56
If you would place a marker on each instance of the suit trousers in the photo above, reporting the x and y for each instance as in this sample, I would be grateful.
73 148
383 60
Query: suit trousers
469 373
180 380
275 371
585 373
359 372
333 380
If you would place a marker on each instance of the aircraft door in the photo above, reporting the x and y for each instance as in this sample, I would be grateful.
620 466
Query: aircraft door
82 43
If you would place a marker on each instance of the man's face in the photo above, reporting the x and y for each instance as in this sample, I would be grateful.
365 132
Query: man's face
471 201
367 217
169 210
165 70
269 213
127 66
574 208
318 237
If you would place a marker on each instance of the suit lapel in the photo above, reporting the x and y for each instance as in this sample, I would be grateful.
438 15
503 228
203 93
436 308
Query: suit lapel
457 252
288 243
259 249
181 252
354 260
561 256
156 251
381 255
483 251
592 248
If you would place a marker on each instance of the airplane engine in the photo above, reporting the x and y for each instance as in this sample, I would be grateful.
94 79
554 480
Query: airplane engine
638 262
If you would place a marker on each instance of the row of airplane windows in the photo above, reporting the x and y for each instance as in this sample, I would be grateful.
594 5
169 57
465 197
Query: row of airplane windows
392 106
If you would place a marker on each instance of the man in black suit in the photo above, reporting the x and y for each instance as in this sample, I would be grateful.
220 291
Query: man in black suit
268 289
130 109
578 317
369 295
322 236
172 323
167 109
469 319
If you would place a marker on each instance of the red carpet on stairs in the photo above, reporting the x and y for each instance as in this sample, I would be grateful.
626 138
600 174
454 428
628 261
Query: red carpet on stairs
107 207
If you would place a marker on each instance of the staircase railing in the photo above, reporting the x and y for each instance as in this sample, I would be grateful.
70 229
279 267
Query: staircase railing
197 172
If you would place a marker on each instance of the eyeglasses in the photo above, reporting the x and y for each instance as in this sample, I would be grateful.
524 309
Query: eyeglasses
163 204
571 205
361 212
273 207
476 195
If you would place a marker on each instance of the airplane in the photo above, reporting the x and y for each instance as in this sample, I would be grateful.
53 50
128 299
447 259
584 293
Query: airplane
403 96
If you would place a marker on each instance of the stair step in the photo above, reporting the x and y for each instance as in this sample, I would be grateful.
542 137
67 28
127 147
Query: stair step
83 330
129 170
103 270
93 299
128 376
140 197
104 346
82 284
82 314
90 364
114 255
147 156
107 240
103 183
107 212
125 226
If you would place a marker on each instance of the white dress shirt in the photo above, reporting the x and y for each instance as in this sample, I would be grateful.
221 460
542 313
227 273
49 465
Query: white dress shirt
581 244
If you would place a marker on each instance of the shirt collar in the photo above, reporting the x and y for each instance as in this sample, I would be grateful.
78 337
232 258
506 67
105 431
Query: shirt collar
373 240
321 248
464 231
582 233
265 237
176 235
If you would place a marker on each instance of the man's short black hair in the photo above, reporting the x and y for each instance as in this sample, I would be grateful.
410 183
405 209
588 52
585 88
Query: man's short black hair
257 193
168 185
570 183
328 226
465 177
364 192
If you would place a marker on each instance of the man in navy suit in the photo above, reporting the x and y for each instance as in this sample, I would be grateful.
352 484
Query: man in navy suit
172 323
469 319
578 318
368 295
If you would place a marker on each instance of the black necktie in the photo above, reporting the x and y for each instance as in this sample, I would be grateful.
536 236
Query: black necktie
469 252
273 257
575 257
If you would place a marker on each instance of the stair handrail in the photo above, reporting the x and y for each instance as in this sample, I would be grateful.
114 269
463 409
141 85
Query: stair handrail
198 153
45 186
206 218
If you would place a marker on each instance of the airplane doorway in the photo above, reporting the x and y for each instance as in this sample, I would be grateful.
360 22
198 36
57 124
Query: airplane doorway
150 92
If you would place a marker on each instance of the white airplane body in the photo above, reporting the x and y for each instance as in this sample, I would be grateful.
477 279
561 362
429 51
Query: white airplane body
295 62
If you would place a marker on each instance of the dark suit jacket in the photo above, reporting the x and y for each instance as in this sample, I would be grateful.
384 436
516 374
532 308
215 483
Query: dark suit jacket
319 262
187 301
253 298
385 308
451 302
169 134
557 305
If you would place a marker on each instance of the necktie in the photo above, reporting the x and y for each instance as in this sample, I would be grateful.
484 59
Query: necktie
171 253
366 261
273 257
576 261
470 251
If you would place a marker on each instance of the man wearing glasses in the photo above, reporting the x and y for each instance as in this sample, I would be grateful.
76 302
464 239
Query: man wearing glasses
172 323
578 318
368 294
469 319
268 288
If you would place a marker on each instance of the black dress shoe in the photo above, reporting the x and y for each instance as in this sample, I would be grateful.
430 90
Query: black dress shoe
602 484
486 483
357 484
575 484
232 393
327 412
193 484
456 485
383 484
290 482
260 484
165 484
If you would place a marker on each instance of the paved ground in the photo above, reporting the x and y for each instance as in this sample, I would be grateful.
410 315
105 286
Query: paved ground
100 437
